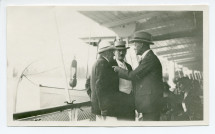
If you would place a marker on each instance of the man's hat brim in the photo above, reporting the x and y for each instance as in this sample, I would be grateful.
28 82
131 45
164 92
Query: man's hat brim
121 48
106 49
140 40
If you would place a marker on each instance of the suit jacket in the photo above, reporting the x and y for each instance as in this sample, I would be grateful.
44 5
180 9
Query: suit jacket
148 83
105 89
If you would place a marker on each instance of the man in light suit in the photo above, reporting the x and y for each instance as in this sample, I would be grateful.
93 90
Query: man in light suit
147 77
125 86
104 84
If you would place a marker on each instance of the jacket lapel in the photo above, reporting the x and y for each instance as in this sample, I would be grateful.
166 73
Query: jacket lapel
146 56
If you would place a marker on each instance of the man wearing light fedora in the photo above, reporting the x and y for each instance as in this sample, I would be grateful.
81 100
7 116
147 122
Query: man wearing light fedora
125 86
147 77
104 85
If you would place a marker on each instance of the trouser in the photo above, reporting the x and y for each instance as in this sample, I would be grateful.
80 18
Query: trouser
130 116
105 118
126 108
149 116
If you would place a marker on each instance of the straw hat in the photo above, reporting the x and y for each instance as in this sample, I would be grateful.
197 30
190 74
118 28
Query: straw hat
105 46
120 45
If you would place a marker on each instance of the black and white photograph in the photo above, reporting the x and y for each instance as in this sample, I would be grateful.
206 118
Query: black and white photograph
107 65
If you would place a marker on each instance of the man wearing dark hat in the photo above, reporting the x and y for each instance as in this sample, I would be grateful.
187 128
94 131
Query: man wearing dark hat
125 86
147 77
104 85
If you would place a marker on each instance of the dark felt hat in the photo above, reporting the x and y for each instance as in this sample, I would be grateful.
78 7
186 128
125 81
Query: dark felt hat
141 36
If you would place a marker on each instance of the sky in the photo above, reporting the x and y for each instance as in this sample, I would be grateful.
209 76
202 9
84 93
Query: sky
38 32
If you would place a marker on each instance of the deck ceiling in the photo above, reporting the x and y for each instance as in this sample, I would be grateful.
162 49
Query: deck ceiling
178 36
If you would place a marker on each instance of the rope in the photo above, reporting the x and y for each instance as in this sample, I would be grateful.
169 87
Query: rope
88 57
31 81
44 71
20 79
61 88
62 59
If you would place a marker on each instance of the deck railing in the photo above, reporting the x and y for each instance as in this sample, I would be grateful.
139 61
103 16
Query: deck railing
69 112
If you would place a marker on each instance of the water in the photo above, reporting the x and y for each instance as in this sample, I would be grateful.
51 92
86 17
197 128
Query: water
32 97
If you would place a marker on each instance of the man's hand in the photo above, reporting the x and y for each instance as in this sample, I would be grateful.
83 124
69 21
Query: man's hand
116 68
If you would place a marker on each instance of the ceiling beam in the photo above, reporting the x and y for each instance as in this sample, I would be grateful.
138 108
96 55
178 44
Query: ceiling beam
172 51
183 56
189 60
172 45
163 21
191 63
182 53
130 19
98 38
180 34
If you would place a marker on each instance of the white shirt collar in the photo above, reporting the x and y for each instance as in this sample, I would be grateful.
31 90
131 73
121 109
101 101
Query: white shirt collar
119 62
144 54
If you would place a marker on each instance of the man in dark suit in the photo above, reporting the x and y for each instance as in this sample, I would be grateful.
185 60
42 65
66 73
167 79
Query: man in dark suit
104 85
125 86
147 77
